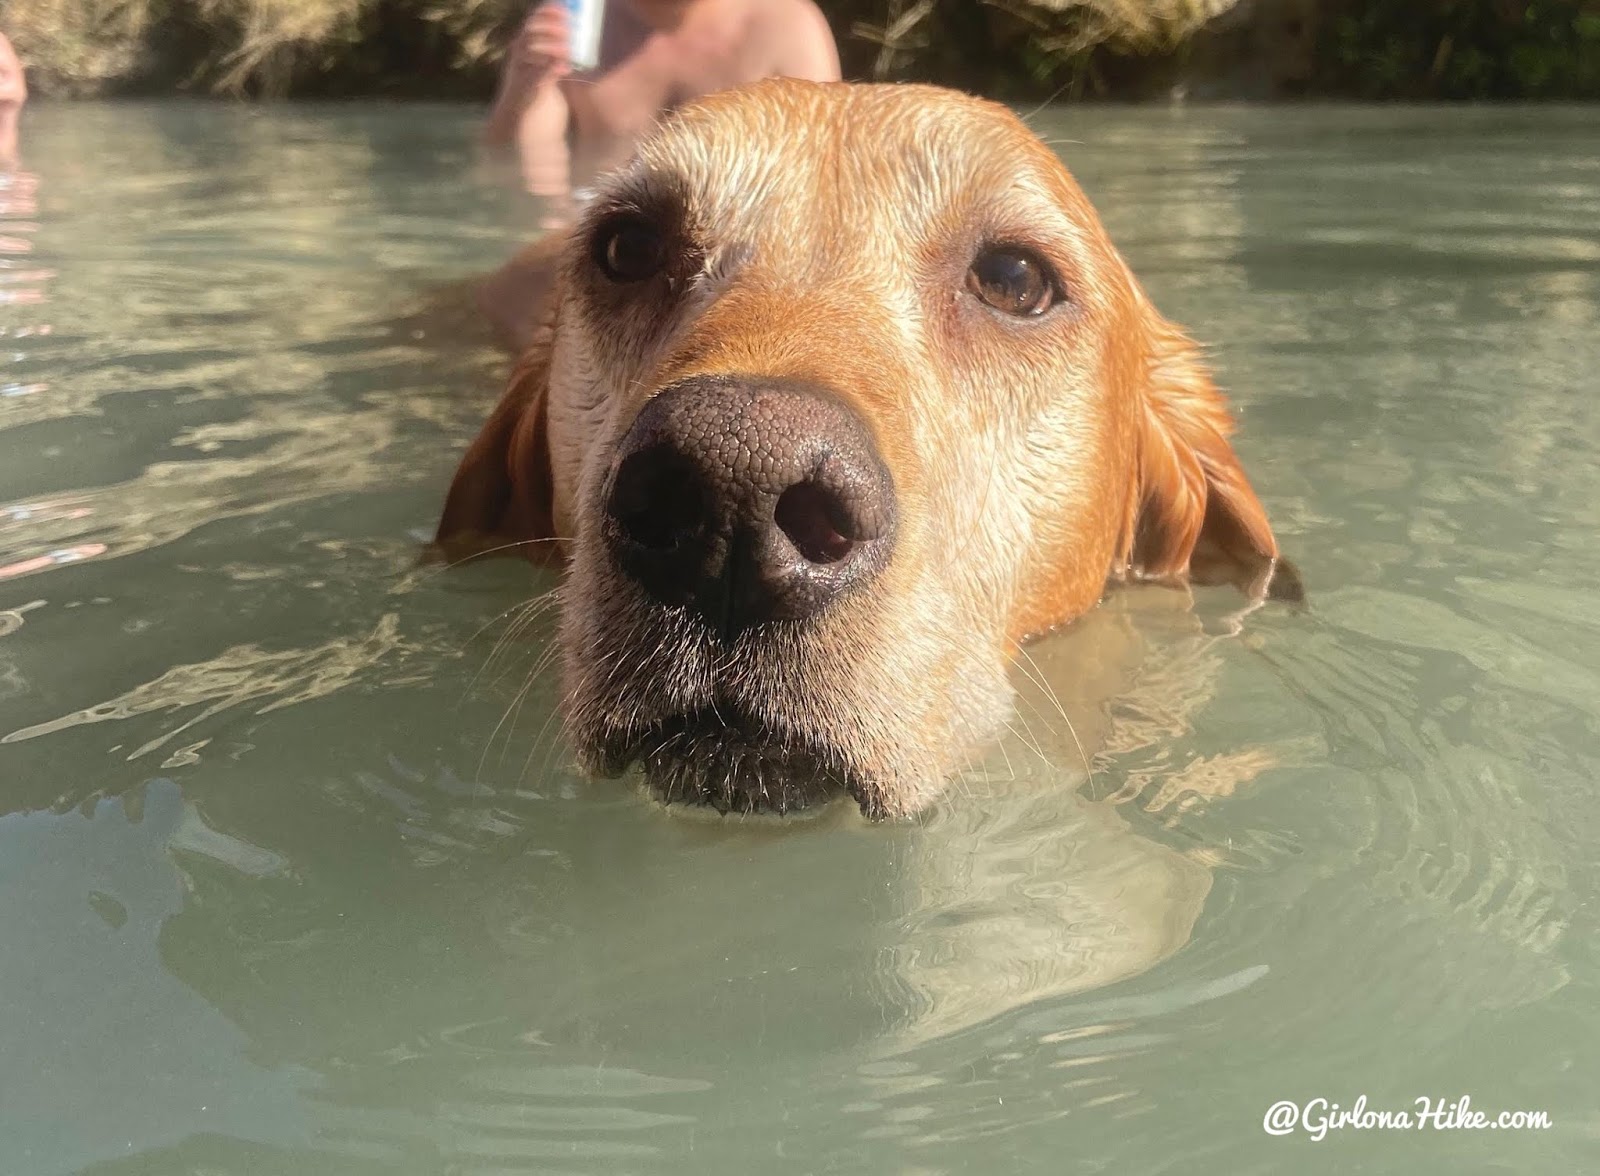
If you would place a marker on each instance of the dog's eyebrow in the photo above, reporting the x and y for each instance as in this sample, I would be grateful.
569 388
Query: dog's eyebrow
651 193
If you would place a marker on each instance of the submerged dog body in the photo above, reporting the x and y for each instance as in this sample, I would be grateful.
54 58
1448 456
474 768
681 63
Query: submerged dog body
841 393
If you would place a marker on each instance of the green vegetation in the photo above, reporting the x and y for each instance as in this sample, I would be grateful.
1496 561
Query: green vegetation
1463 49
1019 49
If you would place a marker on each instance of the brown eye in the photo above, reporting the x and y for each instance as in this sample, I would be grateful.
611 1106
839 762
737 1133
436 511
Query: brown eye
1013 281
630 249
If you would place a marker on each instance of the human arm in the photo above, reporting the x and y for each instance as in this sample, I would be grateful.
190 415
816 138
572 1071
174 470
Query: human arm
807 48
530 111
13 94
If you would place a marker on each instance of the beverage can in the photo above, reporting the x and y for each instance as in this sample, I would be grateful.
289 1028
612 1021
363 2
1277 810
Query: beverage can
584 21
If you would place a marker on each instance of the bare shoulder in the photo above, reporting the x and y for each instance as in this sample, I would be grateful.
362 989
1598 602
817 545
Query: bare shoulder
802 18
802 38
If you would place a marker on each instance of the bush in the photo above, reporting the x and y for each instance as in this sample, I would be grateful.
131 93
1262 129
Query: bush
1015 49
1012 48
1462 49
279 47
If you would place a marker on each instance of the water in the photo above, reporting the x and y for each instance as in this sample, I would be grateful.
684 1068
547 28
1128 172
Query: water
294 880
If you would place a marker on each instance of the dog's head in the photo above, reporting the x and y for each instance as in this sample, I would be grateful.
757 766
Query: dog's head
843 392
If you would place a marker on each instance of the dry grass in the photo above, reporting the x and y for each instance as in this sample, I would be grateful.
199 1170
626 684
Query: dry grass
78 46
1133 26
269 46
270 39
1014 47
1067 28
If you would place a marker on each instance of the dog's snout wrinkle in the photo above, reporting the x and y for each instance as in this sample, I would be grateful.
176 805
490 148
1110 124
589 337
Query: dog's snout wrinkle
748 500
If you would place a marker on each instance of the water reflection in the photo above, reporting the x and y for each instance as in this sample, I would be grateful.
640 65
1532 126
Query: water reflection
24 283
469 948
261 784
130 1057
236 677
211 356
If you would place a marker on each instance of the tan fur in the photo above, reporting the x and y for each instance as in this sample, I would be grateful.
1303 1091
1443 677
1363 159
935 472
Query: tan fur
1034 460
502 492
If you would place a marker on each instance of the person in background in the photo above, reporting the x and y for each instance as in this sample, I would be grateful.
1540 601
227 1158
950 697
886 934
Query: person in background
654 55
13 94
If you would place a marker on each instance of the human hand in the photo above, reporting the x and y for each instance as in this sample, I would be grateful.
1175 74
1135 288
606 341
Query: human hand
543 48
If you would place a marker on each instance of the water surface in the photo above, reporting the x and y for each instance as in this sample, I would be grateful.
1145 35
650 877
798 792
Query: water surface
295 877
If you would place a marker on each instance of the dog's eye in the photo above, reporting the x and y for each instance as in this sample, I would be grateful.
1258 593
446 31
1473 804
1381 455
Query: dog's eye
1013 281
630 249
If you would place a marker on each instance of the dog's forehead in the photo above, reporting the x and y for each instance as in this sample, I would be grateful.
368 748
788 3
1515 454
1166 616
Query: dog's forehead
793 160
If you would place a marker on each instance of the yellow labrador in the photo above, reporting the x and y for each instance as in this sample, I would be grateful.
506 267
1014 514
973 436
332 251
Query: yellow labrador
840 394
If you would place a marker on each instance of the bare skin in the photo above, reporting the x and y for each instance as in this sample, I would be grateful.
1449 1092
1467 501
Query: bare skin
13 95
657 55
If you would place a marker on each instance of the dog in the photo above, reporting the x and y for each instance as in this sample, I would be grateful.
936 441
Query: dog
839 395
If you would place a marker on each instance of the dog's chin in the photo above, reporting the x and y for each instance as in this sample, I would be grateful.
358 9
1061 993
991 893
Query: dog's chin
735 764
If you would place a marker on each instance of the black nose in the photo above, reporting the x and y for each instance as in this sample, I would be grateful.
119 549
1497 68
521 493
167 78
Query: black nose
748 501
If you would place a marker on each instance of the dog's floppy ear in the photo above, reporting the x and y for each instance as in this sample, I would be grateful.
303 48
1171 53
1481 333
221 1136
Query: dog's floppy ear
1197 515
502 493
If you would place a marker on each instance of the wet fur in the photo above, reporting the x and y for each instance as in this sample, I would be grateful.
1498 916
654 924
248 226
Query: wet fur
822 233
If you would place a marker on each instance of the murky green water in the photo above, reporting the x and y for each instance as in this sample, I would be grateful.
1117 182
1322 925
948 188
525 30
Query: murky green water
294 879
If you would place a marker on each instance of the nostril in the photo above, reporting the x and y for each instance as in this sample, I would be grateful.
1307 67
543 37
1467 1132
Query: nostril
816 522
660 525
655 502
